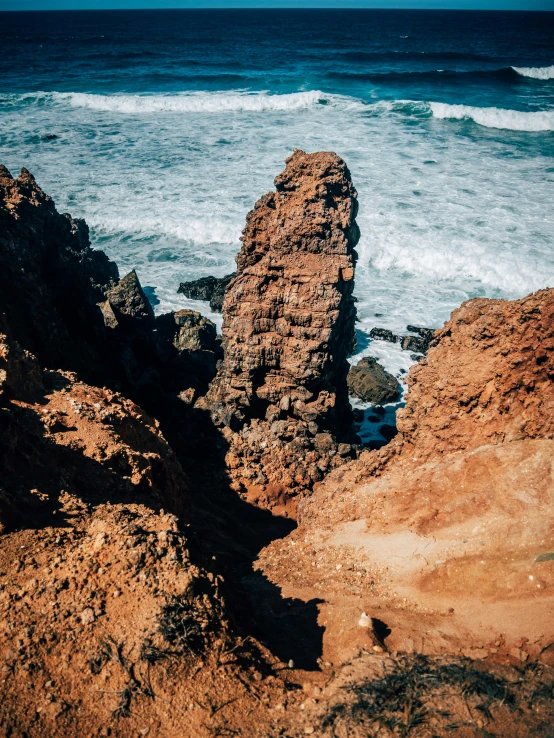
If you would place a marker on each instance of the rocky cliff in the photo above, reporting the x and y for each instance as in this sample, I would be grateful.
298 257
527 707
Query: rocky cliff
104 612
280 394
135 584
50 278
64 302
454 518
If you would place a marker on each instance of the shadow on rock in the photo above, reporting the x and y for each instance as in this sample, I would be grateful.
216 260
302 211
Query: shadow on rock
227 533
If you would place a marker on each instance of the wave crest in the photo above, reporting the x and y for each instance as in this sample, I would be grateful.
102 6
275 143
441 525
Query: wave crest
536 72
512 120
195 102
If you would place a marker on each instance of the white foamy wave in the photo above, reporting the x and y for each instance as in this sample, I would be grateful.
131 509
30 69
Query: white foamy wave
192 230
195 102
512 120
536 72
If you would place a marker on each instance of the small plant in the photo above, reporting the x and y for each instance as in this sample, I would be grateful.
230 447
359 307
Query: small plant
399 702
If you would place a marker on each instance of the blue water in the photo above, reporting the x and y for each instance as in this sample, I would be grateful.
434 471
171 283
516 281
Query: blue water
170 124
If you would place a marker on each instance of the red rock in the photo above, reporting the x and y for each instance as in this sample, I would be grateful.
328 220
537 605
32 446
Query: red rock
288 327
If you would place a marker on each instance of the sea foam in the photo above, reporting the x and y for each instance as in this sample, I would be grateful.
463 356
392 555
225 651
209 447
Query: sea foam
536 72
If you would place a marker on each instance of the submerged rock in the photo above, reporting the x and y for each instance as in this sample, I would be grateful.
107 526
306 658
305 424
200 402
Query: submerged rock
288 327
369 381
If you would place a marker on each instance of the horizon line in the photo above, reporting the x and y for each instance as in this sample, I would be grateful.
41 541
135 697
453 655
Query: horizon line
279 7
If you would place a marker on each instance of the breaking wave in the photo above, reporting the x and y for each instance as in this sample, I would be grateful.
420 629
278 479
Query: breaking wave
512 120
536 72
195 102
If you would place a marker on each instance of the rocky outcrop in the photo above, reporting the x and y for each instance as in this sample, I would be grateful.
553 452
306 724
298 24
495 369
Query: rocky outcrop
60 437
100 601
456 515
288 326
488 380
127 305
65 303
50 278
368 381
211 289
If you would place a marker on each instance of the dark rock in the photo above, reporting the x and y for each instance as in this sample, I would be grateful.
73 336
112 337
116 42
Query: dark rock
207 288
424 332
51 280
426 336
388 431
419 343
216 300
414 343
383 334
370 382
188 330
129 305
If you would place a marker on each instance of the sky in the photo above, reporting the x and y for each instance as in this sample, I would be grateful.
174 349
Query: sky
412 4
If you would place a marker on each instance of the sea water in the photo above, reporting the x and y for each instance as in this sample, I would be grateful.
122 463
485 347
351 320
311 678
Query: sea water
163 128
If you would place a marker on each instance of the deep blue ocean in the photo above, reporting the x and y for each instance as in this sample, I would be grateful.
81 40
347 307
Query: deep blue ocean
162 128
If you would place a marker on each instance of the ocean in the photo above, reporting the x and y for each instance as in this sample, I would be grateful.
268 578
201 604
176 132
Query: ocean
163 128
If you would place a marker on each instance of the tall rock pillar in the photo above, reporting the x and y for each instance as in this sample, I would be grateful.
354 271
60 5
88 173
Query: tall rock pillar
280 395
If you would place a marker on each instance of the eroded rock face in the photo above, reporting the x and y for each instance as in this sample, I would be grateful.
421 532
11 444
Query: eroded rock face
288 328
488 380
61 437
456 514
50 278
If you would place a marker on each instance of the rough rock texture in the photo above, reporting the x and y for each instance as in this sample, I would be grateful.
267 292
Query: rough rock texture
90 609
64 302
454 519
488 380
288 328
127 304
107 624
188 331
50 278
368 381
60 437
207 288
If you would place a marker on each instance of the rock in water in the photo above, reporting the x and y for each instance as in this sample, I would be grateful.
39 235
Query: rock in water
370 382
207 288
383 334
288 327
